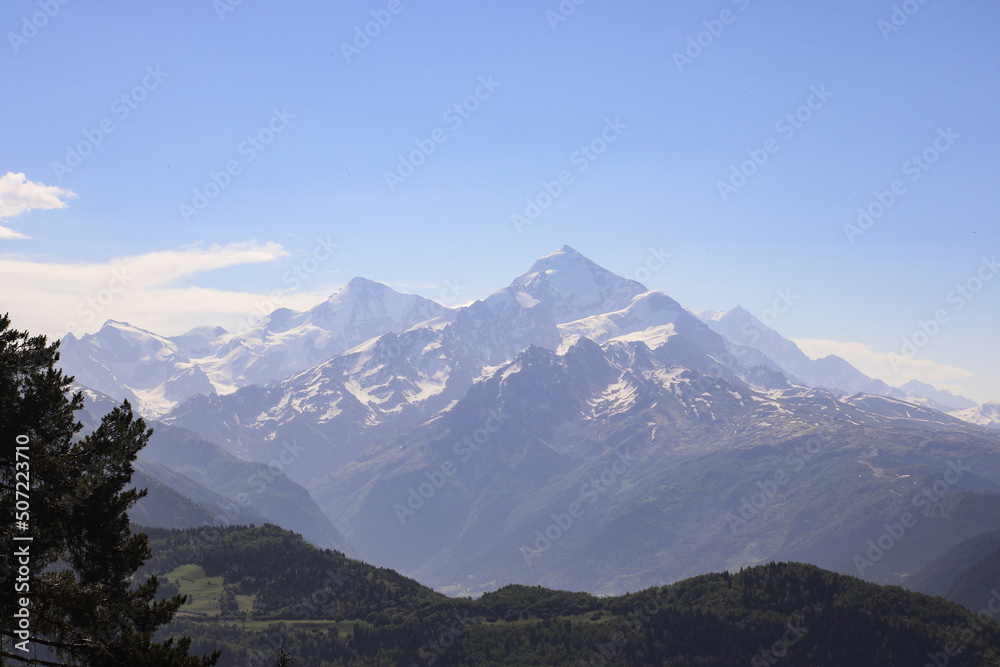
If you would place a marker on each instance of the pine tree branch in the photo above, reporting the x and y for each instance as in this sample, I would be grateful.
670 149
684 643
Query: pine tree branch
32 661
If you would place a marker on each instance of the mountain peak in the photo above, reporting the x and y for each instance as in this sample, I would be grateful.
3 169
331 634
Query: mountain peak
567 250
124 328
564 256
364 283
358 287
738 312
577 286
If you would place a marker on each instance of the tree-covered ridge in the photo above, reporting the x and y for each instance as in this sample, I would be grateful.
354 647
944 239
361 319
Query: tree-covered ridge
331 610
283 570
70 556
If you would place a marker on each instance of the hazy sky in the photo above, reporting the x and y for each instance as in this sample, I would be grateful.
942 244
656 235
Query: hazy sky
167 164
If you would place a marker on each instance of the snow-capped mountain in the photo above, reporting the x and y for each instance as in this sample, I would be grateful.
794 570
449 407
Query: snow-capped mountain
575 286
987 414
287 341
938 399
650 316
754 342
896 408
396 381
338 408
747 334
642 466
156 373
447 442
126 362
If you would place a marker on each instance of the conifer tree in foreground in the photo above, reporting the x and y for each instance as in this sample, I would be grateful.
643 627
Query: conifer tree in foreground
84 607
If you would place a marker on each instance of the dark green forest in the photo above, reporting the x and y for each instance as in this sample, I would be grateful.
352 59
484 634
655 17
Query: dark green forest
272 589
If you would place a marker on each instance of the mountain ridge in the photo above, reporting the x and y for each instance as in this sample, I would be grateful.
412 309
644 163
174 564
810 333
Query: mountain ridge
452 448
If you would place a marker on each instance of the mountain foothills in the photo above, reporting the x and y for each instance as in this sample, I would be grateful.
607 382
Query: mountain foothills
262 595
572 429
193 482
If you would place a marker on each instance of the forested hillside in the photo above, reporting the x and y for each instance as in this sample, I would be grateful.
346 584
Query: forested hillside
256 591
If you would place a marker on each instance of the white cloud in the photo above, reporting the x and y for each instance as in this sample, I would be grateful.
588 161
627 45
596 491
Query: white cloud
55 298
6 233
892 368
18 194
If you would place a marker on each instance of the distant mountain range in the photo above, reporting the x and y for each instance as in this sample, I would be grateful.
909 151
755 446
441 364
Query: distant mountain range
572 429
156 372
749 337
987 414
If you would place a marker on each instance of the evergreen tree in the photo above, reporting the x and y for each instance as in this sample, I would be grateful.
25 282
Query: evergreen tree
284 658
85 608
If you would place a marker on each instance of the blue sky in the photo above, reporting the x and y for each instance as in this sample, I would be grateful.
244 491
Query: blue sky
308 131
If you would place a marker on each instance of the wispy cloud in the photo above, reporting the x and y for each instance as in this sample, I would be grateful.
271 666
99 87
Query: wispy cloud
6 233
57 298
889 367
18 194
